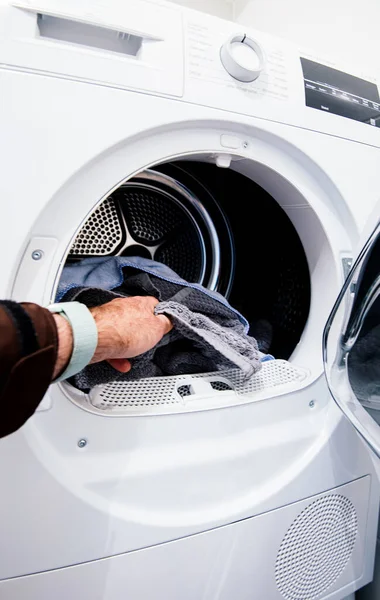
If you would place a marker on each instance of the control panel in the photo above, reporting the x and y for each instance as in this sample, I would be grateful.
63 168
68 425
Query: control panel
224 63
252 73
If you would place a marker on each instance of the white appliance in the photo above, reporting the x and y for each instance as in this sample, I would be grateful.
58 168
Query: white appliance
258 490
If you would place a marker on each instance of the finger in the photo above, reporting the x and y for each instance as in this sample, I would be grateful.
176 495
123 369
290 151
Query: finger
151 302
166 323
120 364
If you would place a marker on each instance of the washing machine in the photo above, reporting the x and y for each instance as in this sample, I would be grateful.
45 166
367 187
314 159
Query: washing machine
143 128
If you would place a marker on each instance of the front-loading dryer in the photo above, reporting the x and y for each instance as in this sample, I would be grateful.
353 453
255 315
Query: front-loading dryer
149 129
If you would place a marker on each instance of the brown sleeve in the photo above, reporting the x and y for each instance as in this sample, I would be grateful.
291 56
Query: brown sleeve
28 353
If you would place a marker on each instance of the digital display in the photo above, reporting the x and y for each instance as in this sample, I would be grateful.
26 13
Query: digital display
339 93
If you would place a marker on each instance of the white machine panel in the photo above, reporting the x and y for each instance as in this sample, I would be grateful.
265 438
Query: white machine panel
310 549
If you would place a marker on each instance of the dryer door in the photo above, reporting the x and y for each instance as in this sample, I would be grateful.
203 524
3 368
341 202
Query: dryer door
351 344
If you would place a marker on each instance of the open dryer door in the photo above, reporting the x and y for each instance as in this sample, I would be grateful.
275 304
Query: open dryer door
352 345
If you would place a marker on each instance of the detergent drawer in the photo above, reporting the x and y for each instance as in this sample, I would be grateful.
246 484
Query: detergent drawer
137 45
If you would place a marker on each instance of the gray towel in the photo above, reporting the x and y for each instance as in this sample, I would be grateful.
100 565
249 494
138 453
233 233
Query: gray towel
208 334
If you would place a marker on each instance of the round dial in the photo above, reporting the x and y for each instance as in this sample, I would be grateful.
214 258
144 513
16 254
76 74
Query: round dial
242 58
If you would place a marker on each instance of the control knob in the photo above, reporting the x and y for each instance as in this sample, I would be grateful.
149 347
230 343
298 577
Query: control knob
242 58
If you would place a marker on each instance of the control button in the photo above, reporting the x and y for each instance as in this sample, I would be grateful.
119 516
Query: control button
242 58
230 141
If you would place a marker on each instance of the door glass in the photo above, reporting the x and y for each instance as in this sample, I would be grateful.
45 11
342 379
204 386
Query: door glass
352 344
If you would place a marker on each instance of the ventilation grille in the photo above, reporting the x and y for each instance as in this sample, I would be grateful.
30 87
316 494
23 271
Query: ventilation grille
101 234
316 548
188 392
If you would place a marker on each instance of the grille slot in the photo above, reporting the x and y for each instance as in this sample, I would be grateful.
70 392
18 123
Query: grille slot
220 386
184 390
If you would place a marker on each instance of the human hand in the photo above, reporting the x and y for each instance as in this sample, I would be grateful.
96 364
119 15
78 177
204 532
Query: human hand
127 327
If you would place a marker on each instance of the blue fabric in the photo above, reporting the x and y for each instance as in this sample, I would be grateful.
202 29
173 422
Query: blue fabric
107 274
266 357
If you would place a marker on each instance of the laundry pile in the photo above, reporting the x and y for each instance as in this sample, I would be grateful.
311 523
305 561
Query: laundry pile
208 334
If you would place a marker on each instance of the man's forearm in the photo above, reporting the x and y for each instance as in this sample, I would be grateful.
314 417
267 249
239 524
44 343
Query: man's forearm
28 355
36 346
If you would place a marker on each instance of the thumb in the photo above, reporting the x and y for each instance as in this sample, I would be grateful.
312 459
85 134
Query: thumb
166 323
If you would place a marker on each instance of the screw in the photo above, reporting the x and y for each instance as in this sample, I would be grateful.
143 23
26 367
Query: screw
312 403
82 443
245 144
37 254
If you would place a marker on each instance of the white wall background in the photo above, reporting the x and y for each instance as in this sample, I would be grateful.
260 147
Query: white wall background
219 8
347 29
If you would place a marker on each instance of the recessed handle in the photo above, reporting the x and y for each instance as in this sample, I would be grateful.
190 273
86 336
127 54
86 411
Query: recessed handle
89 35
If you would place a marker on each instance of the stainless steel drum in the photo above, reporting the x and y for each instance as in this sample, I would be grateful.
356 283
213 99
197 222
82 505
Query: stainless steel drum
215 227
155 216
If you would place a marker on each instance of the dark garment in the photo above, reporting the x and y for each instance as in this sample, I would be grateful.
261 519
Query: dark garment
208 334
28 353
